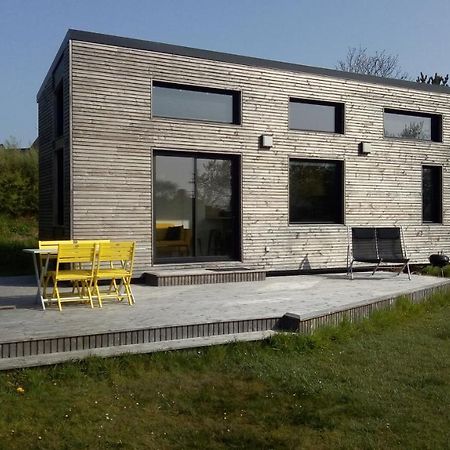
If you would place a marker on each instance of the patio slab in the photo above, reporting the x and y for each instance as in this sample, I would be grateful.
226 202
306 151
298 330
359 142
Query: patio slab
158 307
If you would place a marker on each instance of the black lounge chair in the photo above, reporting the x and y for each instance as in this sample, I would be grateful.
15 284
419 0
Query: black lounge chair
377 246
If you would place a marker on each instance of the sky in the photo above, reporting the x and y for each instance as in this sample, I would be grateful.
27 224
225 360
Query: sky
316 33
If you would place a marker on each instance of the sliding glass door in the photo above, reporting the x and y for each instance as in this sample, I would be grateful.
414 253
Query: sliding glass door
196 207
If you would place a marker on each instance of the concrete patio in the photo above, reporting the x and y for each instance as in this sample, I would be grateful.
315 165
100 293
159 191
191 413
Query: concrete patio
189 316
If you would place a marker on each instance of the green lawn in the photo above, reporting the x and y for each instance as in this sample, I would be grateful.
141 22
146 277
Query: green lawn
17 233
384 383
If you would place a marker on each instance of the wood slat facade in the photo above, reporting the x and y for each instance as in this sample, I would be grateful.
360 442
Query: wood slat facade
110 136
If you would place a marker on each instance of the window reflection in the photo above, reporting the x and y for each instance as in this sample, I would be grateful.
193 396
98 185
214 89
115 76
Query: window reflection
407 126
432 194
189 102
316 116
173 206
315 191
195 207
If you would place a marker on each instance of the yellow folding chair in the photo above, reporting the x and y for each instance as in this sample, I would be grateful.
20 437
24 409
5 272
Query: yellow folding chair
75 256
47 261
114 263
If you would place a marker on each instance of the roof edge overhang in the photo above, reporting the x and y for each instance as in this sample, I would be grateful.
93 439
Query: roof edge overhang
98 38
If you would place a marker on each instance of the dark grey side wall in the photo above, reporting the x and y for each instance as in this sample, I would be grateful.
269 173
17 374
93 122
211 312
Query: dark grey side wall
114 136
49 144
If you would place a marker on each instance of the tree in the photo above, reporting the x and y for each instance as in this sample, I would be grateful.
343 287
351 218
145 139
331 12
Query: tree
381 64
437 79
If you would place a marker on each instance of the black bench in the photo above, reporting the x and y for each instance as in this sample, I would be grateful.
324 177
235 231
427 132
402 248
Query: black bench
376 245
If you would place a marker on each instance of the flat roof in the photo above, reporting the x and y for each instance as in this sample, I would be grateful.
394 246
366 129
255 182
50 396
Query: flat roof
106 39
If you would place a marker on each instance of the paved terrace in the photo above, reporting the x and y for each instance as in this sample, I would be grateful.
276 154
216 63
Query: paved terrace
196 315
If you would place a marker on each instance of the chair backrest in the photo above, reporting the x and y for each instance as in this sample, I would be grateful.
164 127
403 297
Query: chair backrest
50 245
53 244
117 252
76 253
390 244
90 241
364 244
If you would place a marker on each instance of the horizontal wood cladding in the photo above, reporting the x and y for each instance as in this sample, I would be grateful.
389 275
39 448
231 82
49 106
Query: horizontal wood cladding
49 144
114 135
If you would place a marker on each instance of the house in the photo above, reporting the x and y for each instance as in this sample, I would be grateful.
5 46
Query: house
212 159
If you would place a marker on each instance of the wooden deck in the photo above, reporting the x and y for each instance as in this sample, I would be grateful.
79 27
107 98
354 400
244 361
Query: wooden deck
174 317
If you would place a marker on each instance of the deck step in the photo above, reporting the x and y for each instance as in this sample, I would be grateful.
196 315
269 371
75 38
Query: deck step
202 276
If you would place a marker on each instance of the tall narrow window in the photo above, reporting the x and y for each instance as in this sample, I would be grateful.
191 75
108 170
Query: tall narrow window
316 192
180 101
432 194
59 110
312 115
59 187
412 125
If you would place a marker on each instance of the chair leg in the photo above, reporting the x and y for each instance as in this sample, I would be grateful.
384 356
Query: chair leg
350 270
376 268
97 290
89 291
58 298
117 289
128 291
54 290
409 272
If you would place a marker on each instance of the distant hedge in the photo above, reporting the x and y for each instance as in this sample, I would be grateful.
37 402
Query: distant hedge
19 182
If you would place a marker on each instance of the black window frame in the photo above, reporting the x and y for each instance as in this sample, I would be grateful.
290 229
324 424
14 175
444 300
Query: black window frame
436 124
59 188
436 209
59 109
339 187
235 95
236 167
339 115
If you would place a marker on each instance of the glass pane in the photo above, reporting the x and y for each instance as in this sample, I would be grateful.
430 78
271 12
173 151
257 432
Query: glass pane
173 206
431 194
315 192
183 103
310 116
214 220
407 126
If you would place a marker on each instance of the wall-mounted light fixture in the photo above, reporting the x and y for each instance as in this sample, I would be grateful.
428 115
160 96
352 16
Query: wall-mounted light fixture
266 141
365 148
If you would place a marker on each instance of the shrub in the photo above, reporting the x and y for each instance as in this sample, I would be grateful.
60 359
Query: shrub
19 182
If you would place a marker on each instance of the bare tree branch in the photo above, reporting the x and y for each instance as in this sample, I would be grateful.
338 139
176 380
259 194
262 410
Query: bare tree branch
381 64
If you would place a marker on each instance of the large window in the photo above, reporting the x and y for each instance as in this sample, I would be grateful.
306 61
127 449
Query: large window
315 191
432 194
316 116
196 206
198 103
412 125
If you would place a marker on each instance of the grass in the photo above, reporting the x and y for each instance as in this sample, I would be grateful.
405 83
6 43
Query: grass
382 383
17 233
436 271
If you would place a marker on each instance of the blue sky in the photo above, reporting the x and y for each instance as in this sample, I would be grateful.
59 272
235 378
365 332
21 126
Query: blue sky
315 33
